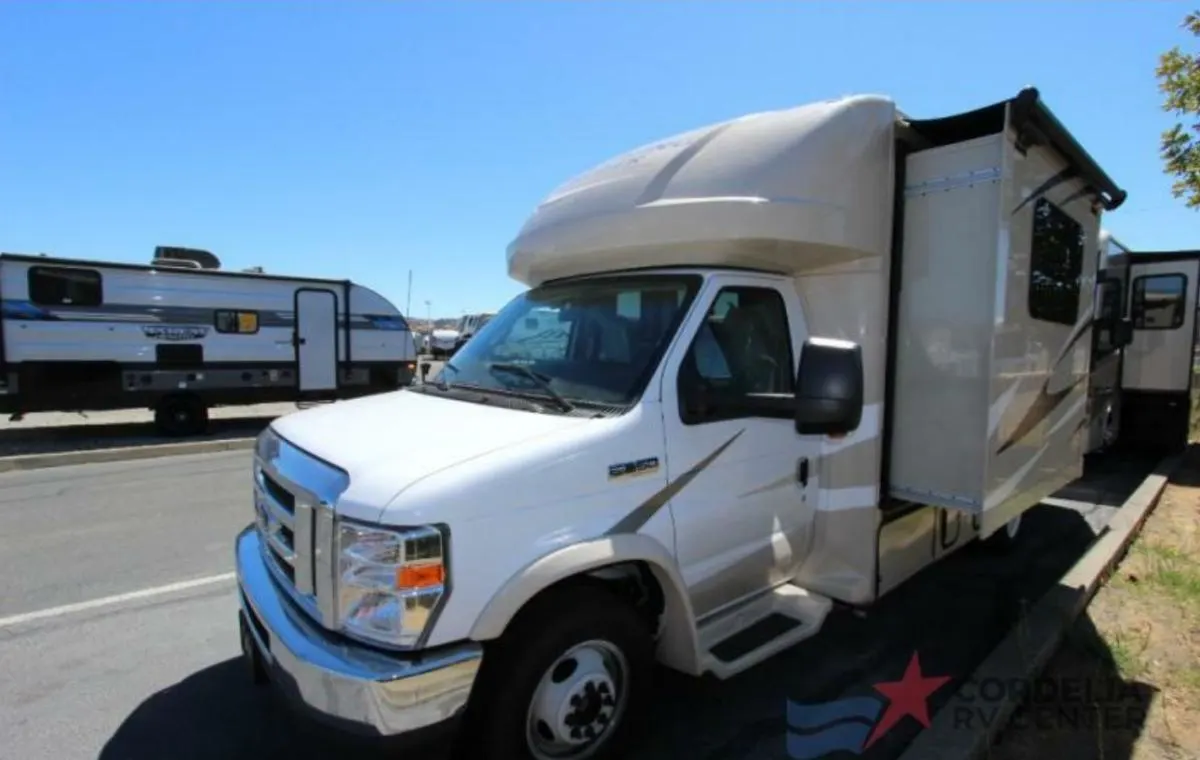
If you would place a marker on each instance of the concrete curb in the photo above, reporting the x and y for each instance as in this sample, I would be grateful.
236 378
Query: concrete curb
121 454
1028 647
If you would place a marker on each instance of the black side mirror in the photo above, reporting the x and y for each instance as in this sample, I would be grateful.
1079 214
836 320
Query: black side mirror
829 387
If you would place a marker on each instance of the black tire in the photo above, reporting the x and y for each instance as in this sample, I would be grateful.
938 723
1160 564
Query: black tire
181 414
514 666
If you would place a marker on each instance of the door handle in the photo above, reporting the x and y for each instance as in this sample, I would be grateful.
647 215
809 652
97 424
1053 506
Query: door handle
802 471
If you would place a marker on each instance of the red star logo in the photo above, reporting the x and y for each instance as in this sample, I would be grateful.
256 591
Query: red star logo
907 696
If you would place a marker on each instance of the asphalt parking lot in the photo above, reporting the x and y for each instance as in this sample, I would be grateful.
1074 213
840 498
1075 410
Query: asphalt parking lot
118 634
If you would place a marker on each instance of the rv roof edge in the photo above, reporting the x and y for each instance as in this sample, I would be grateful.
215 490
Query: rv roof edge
1030 116
173 267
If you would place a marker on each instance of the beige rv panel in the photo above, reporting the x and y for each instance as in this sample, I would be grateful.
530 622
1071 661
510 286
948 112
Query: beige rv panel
945 323
1039 388
991 390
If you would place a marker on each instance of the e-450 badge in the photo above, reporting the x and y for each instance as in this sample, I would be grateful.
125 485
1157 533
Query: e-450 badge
627 469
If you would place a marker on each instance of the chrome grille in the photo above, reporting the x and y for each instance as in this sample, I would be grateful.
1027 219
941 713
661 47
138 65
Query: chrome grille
294 498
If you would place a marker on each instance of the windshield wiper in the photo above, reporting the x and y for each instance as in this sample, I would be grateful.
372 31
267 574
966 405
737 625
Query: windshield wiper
542 380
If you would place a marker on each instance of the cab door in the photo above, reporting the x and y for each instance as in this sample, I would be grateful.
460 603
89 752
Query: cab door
743 518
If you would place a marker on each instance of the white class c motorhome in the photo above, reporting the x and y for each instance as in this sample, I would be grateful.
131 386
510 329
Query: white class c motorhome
182 334
763 368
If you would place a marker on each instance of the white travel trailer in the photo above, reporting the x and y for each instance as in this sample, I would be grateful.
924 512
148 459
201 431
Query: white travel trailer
181 335
468 326
441 342
804 354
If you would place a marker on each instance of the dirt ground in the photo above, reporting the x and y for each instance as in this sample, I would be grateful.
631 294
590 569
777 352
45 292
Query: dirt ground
1126 683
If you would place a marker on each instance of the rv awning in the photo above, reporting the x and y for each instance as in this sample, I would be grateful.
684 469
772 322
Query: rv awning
1037 125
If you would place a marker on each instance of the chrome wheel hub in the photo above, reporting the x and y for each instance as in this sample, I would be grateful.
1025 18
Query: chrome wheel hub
580 697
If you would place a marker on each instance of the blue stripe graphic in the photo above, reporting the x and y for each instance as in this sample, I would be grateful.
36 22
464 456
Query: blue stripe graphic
808 717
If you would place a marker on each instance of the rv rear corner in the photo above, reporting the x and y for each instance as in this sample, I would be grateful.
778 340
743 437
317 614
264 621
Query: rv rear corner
748 384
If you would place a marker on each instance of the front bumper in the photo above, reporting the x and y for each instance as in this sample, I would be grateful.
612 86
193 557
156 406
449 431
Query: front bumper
352 686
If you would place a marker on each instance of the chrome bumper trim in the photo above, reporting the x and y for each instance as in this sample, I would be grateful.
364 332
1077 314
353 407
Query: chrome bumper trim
358 687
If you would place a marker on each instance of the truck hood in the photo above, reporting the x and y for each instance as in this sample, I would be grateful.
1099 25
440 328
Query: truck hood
390 441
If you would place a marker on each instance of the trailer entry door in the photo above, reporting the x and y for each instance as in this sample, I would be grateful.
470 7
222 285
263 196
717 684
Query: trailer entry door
316 340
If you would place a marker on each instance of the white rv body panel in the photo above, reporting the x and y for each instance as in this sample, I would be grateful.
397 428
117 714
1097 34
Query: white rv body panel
1160 357
1158 363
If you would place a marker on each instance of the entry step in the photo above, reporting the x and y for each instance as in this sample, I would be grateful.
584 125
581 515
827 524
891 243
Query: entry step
742 637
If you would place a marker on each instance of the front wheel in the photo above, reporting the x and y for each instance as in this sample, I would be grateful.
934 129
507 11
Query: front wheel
567 681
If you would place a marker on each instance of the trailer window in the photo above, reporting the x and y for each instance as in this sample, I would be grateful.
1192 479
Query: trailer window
1158 301
236 322
744 346
1055 265
59 286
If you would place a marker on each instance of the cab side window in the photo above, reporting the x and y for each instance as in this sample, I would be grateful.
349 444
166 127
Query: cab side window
743 347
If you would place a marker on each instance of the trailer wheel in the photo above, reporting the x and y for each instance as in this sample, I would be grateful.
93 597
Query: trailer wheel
181 414
567 680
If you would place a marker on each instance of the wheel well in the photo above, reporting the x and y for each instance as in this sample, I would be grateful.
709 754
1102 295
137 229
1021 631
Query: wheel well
632 582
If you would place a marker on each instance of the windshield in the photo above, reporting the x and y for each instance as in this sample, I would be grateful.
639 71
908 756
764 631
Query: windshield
590 341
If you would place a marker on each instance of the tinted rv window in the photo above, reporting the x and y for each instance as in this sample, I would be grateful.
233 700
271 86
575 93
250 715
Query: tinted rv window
1055 265
56 286
238 322
1158 301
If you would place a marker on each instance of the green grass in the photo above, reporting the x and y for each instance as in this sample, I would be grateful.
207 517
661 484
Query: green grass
1189 678
1194 432
1173 572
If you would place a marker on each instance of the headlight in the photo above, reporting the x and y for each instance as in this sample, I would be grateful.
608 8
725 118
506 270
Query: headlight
388 581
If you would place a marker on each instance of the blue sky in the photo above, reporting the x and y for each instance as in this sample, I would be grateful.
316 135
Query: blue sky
363 140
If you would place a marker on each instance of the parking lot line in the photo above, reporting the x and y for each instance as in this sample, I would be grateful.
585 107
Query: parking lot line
108 601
